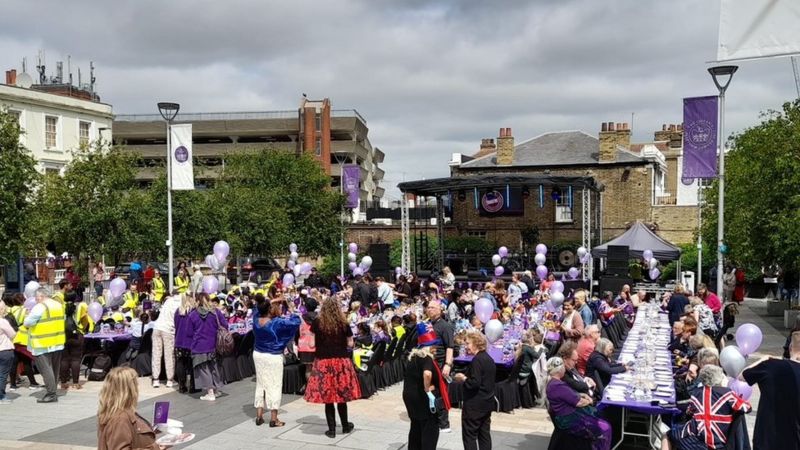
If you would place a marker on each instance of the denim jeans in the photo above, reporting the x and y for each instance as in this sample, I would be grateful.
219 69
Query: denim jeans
6 361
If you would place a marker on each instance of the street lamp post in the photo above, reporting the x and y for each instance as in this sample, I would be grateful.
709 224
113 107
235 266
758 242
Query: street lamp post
722 76
341 159
168 112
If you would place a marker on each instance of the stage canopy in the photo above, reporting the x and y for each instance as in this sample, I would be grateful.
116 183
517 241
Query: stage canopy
638 239
441 186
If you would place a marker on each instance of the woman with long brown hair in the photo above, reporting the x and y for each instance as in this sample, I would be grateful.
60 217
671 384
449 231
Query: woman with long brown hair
333 378
118 424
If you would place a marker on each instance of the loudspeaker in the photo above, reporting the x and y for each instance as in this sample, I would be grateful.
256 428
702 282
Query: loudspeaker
618 253
380 257
614 283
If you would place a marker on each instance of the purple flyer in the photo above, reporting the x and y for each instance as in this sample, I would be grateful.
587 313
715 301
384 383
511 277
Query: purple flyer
161 413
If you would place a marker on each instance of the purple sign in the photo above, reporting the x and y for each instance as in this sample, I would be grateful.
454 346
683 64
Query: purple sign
351 175
700 137
181 154
160 413
492 201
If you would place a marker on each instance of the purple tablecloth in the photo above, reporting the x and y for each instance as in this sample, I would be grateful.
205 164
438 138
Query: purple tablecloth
109 336
494 352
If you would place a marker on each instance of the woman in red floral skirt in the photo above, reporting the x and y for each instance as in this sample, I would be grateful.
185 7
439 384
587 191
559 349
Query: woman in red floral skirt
333 378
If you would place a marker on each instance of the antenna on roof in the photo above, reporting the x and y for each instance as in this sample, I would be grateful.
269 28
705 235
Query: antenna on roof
92 79
59 72
40 67
69 68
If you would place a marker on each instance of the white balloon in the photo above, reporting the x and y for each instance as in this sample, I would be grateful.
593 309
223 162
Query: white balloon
493 330
367 261
540 259
351 257
293 256
581 251
557 298
732 361
653 263
496 259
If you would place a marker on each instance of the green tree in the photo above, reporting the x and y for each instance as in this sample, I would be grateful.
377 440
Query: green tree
762 193
17 186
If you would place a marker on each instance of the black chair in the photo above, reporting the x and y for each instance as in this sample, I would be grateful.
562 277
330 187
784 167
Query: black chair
142 363
562 440
244 356
507 391
375 365
388 372
294 378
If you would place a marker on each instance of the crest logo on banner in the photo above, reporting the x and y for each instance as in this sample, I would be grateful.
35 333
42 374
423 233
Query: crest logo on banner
181 155
351 177
492 201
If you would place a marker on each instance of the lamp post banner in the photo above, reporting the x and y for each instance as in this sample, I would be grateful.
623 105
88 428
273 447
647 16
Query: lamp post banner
181 154
700 137
351 175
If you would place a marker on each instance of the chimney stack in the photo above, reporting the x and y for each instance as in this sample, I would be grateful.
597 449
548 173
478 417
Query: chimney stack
487 146
505 147
613 135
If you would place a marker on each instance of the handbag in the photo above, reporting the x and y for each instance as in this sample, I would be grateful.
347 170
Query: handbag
225 344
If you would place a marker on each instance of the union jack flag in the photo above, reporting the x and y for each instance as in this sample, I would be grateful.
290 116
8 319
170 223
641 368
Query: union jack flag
712 413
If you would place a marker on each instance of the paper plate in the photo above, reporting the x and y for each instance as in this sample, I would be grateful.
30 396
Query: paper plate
175 439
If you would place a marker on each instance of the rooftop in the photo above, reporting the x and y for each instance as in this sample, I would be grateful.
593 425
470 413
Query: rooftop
560 148
240 115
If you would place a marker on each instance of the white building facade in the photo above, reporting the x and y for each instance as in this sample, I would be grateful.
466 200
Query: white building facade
53 126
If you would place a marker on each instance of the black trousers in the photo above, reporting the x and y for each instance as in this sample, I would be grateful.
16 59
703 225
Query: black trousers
424 434
71 360
475 430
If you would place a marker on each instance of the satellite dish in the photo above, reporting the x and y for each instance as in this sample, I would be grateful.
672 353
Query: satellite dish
24 81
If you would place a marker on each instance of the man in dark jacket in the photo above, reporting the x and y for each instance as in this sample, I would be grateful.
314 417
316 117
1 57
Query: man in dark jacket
361 290
479 401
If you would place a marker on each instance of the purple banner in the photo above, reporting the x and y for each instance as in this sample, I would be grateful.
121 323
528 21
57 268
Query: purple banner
700 137
351 175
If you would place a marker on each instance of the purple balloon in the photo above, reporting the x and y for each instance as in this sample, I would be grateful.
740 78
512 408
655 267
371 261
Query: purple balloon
358 271
748 338
353 247
502 251
288 279
352 266
541 248
647 254
210 284
95 311
221 250
541 272
290 264
498 271
655 273
292 247
550 307
398 270
586 259
557 286
573 272
117 287
29 303
740 388
297 270
484 309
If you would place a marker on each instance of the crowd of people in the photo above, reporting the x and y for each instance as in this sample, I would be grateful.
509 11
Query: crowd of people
333 328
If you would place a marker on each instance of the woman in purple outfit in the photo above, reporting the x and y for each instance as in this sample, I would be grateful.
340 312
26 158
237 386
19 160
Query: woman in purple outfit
203 323
573 412
183 345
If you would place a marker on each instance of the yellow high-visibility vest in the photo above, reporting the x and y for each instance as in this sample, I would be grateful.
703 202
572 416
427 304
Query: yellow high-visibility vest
59 297
130 300
19 313
182 285
158 289
49 330
81 311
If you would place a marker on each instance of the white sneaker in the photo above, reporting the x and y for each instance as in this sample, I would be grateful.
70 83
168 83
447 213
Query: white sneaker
169 383
445 430
35 388
208 398
5 401
156 384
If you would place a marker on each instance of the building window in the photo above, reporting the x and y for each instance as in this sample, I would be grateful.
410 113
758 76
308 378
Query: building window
477 233
83 132
318 122
563 208
50 132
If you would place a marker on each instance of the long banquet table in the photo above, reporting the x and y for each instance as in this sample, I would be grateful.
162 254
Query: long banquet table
657 397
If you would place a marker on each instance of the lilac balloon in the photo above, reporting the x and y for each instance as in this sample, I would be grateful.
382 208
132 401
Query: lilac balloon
541 248
398 270
647 254
541 272
502 251
557 299
288 279
586 259
210 284
95 311
655 273
297 270
352 265
497 259
358 271
748 338
550 307
498 271
484 309
292 247
293 256
221 250
117 287
557 286
353 247
573 272
290 264
29 303
305 268
740 388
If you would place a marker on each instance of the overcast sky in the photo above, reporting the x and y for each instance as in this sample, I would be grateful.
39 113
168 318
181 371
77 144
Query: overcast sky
430 77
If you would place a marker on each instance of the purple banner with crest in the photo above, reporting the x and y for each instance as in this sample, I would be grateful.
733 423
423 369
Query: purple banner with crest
351 176
700 137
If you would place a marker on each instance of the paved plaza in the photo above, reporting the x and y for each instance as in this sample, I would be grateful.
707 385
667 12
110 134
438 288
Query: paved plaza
228 423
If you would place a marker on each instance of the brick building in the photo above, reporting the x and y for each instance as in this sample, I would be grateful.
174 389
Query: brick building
639 182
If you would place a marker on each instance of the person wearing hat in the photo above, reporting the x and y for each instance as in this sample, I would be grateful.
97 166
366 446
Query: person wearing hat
479 401
424 391
573 412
